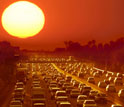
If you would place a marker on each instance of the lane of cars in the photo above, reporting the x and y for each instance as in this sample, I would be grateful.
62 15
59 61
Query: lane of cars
49 87
95 77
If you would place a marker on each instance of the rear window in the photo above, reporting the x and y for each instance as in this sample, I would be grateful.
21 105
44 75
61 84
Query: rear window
82 98
38 96
65 105
62 99
91 78
61 94
15 103
90 102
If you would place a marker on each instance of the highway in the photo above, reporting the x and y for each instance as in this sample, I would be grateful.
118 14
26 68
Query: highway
111 97
39 68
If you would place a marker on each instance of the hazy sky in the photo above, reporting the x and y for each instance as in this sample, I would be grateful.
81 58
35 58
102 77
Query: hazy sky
76 20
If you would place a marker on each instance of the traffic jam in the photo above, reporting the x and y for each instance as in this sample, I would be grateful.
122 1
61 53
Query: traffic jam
68 84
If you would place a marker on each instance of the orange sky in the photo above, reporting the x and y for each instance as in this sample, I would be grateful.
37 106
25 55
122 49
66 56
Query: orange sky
76 20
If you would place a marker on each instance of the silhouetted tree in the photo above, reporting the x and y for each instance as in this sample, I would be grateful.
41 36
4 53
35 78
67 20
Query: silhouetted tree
107 55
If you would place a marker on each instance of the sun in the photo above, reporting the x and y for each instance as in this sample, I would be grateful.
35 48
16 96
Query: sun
23 19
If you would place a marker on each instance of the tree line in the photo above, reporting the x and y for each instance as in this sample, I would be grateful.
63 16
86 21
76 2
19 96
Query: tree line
108 56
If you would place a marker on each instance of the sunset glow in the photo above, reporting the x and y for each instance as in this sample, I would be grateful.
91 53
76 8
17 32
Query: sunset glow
23 19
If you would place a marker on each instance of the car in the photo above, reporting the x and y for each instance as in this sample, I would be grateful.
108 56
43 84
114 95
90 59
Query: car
101 72
36 85
107 81
39 105
65 85
119 75
51 86
109 74
19 97
74 73
60 93
110 88
61 82
89 103
118 81
75 84
96 74
121 93
81 74
74 93
15 103
36 81
47 78
92 94
102 95
91 80
19 85
81 85
80 100
68 78
53 91
102 84
86 72
72 80
101 98
85 90
116 105
68 89
92 72
60 99
59 78
111 79
19 91
38 98
65 104
53 82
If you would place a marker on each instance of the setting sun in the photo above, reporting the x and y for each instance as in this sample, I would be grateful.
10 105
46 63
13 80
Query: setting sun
23 19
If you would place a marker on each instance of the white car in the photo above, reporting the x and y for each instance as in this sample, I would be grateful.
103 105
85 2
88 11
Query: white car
119 75
60 93
15 103
81 99
109 74
89 103
121 93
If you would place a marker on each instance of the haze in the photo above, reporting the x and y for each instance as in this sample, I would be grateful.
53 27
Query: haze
76 20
